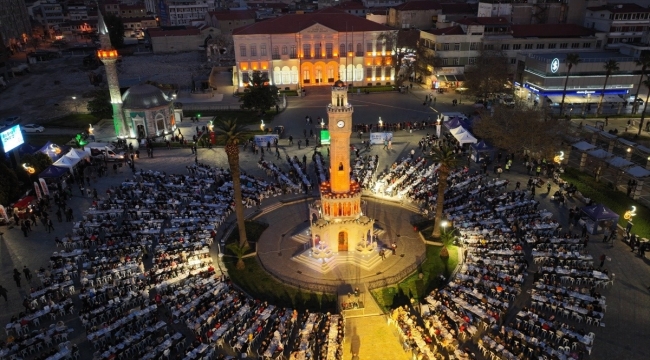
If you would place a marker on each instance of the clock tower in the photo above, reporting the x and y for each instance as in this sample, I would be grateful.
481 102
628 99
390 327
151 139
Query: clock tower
341 220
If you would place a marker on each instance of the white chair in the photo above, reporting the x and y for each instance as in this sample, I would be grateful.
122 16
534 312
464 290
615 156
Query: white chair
36 321
166 354
590 320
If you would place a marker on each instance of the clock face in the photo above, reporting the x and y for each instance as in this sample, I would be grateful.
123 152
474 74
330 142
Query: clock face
340 124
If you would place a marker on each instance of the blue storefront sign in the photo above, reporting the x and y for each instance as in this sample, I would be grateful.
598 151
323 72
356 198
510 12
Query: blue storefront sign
543 92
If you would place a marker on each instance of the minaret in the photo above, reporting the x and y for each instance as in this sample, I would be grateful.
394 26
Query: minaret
109 57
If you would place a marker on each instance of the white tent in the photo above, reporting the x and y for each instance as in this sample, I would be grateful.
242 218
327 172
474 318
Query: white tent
465 138
457 130
65 161
78 153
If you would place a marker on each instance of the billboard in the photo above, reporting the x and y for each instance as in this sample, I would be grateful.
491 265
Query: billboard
378 138
324 137
11 138
264 140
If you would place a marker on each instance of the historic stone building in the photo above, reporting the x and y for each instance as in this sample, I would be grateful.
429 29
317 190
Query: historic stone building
319 48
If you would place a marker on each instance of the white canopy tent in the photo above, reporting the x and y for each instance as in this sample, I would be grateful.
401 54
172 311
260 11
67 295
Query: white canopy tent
465 138
78 154
67 162
458 130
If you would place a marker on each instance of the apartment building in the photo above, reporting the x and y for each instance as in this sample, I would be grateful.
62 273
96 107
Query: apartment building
319 48
228 20
624 24
425 14
459 45
14 22
183 12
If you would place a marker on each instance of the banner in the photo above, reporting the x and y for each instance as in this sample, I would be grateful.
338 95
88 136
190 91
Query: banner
3 213
38 190
46 190
378 138
213 139
263 140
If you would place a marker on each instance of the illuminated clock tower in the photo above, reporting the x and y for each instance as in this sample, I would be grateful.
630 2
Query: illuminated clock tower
341 226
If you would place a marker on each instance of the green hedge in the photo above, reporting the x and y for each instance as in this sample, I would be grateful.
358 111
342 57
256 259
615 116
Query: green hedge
616 200
380 88
289 92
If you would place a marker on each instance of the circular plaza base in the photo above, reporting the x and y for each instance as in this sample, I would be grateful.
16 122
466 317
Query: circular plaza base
285 252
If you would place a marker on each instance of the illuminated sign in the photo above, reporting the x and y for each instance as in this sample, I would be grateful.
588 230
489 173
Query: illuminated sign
324 137
11 138
555 65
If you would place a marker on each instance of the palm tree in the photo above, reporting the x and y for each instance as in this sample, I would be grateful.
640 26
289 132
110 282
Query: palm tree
646 82
232 133
610 66
446 157
644 62
446 237
571 61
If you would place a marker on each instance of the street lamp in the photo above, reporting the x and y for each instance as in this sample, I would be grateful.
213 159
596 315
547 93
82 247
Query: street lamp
74 98
322 124
381 123
444 224
262 125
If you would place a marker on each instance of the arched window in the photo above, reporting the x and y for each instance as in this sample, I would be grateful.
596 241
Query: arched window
294 75
342 50
350 48
286 75
358 73
359 49
342 73
284 50
160 123
277 75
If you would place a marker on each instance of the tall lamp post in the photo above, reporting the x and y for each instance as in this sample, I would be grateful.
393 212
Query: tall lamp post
74 102
381 123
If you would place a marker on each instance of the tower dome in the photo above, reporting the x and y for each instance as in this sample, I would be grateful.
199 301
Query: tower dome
144 96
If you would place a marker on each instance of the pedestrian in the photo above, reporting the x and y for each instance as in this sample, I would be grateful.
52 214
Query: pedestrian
290 140
59 216
28 274
3 292
603 257
299 144
499 171
584 230
548 188
306 142
304 159
393 247
382 253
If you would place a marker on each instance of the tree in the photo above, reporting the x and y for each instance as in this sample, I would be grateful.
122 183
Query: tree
521 129
644 62
398 44
38 161
239 252
115 30
9 185
610 66
232 134
446 157
260 95
488 75
100 104
571 61
645 106
447 237
426 62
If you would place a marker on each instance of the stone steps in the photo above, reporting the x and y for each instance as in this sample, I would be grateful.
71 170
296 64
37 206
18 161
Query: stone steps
303 238
366 262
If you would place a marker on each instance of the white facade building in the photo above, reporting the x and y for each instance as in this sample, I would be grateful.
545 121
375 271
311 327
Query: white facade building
183 12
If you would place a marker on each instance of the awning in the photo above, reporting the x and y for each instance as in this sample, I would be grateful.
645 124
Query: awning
53 171
613 99
619 162
638 172
24 202
607 135
626 142
599 153
643 149
583 146
591 128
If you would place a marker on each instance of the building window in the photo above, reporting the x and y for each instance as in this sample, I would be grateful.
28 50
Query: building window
445 46
342 50
456 61
368 72
539 46
359 49
473 46
471 61
262 50
317 51
242 50
575 45
330 74
378 72
528 46
552 45
293 54
245 77
445 61
599 44
457 46
513 61
253 50
516 46
350 47
276 53
488 46
284 50
329 52
586 45
505 46
564 45
389 44
369 46
306 51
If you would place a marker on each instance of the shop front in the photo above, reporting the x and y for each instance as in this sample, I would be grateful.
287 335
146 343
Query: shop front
447 79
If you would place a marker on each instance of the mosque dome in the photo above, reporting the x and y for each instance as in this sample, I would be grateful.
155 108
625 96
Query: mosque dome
144 96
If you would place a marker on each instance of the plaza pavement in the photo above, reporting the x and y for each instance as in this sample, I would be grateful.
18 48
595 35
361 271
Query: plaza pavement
628 312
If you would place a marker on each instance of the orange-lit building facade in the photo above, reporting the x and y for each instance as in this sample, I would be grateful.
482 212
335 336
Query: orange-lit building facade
301 50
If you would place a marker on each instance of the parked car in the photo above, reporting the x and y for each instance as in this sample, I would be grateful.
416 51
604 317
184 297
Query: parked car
11 120
30 128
